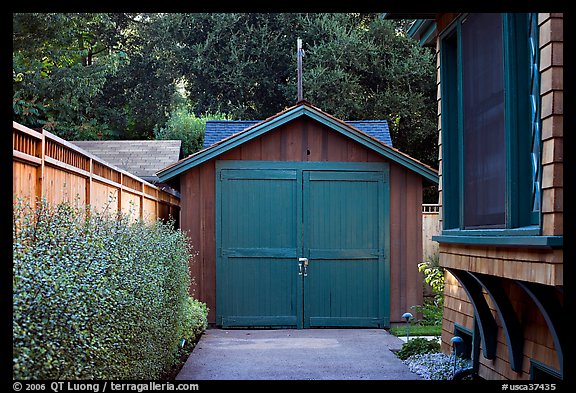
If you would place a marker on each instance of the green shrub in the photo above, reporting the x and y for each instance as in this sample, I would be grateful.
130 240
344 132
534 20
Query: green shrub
433 274
431 312
96 296
185 126
416 346
195 319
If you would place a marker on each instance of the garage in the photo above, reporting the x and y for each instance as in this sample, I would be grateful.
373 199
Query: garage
303 221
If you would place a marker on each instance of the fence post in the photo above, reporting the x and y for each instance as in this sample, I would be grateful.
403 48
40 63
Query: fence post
119 193
88 195
40 169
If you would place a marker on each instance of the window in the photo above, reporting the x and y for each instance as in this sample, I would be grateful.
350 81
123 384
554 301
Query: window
490 125
483 121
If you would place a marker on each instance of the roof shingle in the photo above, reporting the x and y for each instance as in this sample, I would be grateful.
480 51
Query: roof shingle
141 158
216 130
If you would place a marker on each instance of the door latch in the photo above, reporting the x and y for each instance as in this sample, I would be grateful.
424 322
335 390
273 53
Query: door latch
303 262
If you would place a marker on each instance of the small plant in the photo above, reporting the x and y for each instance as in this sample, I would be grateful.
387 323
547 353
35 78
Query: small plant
195 320
433 274
431 312
417 346
435 366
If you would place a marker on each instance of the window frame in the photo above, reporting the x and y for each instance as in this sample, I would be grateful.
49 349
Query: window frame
539 369
522 225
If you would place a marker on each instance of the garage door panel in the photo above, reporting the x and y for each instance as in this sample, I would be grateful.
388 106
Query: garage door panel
256 279
341 213
259 213
343 224
258 290
340 289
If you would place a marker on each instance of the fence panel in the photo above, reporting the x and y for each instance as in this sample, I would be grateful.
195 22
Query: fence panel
46 166
430 227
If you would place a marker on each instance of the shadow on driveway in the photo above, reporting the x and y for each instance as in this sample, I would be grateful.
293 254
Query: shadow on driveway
305 354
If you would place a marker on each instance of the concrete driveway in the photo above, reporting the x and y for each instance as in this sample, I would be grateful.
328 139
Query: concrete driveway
306 354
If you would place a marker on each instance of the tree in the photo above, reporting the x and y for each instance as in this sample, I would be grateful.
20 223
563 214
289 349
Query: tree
185 126
363 67
115 75
357 66
61 63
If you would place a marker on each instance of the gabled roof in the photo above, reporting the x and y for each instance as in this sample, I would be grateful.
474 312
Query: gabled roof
139 157
302 108
216 130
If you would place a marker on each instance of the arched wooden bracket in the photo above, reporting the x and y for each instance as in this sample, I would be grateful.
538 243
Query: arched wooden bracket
510 323
487 324
543 297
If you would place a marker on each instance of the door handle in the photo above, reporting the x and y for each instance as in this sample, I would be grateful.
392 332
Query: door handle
303 261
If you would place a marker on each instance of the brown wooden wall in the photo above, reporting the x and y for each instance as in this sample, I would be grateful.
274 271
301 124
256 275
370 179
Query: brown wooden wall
46 166
552 95
307 140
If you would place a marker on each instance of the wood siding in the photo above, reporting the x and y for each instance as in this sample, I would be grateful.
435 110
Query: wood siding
551 92
306 140
543 266
45 166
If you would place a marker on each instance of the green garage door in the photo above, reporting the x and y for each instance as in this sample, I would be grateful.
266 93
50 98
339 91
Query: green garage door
302 244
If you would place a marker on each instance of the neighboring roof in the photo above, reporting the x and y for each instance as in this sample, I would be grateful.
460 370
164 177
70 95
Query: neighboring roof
142 158
302 108
216 130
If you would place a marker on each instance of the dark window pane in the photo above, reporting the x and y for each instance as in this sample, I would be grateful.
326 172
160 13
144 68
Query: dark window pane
484 137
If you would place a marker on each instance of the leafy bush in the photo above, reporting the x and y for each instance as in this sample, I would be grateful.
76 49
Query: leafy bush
435 366
433 273
195 320
95 295
416 346
185 126
431 312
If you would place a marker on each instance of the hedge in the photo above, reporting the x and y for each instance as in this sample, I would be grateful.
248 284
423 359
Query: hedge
98 296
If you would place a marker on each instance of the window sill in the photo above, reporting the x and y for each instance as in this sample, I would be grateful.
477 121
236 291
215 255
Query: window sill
520 237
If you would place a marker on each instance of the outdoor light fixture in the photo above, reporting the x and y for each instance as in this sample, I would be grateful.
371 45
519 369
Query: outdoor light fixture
455 341
407 316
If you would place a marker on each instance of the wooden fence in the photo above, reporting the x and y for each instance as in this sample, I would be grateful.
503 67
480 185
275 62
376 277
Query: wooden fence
46 166
430 227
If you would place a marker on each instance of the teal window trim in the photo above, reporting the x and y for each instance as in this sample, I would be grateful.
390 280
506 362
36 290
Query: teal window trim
520 113
536 122
450 123
534 364
508 238
518 121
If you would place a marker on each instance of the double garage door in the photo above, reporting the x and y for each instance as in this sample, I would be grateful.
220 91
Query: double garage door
302 244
